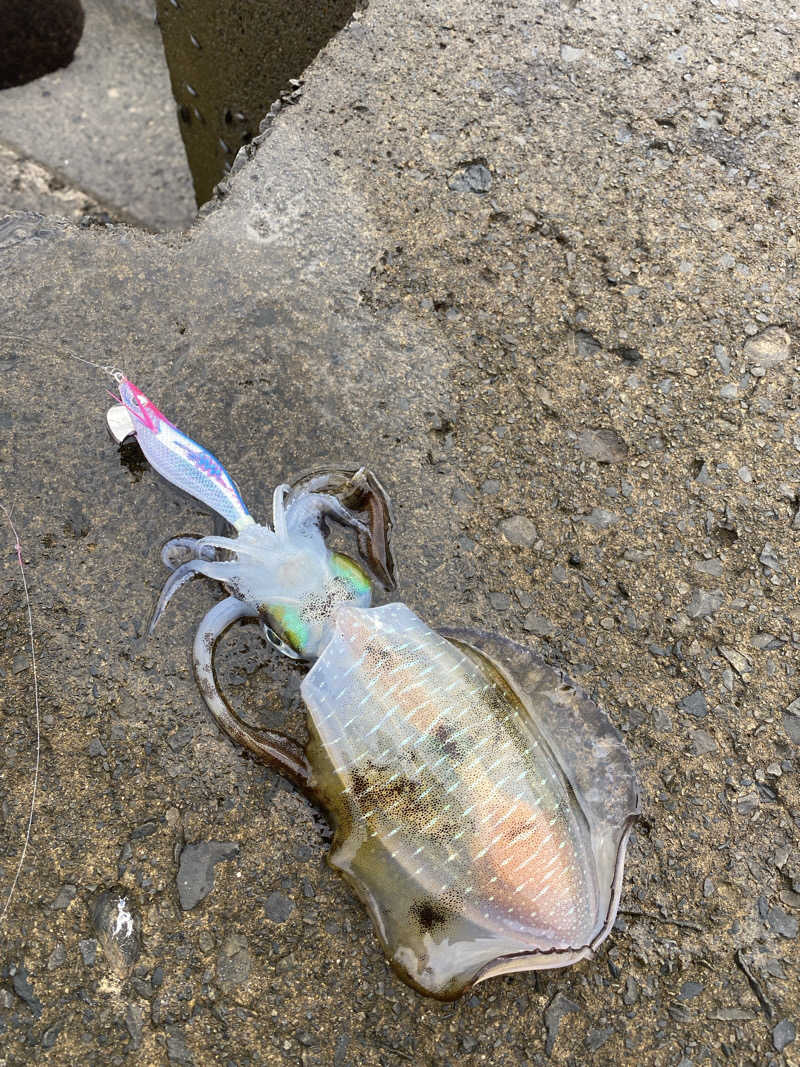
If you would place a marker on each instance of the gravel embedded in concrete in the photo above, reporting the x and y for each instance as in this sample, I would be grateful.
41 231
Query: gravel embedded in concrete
306 319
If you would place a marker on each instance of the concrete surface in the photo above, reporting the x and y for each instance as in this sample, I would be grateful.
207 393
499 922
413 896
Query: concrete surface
28 186
106 124
531 262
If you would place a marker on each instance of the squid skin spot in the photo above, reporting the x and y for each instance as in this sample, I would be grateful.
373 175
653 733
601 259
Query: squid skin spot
442 735
206 687
429 915
360 783
401 788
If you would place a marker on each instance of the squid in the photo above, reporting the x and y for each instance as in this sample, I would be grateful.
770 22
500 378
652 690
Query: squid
481 802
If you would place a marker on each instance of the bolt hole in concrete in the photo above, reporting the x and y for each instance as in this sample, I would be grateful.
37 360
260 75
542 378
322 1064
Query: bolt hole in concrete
99 140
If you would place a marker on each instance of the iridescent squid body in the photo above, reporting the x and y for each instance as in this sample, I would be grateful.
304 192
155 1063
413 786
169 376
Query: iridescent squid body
481 802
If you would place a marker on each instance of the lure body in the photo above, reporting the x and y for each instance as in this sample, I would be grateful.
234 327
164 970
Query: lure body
182 461
481 803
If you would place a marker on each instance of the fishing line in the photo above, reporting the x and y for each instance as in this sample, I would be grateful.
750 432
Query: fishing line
18 548
117 375
106 368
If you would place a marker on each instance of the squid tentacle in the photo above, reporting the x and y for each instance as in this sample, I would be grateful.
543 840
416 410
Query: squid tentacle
282 753
279 509
177 580
359 491
241 548
306 513
187 543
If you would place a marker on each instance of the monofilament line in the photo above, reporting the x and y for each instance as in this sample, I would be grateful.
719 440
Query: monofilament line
18 547
106 368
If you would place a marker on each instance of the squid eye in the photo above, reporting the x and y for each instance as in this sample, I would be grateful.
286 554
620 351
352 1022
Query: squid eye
290 626
355 579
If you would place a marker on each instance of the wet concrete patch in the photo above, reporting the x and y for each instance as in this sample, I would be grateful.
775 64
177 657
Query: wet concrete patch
230 61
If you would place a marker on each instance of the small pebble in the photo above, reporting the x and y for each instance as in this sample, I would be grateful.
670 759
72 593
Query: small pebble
56 957
722 358
473 179
500 601
599 518
117 924
782 923
559 1006
278 907
196 869
689 990
712 567
695 704
519 530
50 1036
66 895
24 989
605 446
595 1039
632 991
570 54
769 557
741 664
134 1021
233 963
88 950
177 1052
769 348
704 603
783 1034
703 743
748 803
538 624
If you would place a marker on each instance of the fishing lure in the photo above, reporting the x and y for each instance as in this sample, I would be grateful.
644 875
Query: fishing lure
481 802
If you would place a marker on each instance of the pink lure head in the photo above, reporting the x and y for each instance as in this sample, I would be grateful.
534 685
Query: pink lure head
141 408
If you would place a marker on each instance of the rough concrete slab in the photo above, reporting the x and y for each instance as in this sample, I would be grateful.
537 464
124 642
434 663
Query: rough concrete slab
106 124
28 186
145 8
356 294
